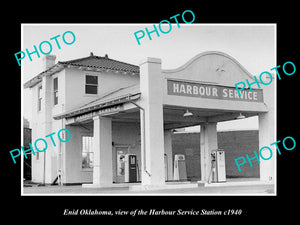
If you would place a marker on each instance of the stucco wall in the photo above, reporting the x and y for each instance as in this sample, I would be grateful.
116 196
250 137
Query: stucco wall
71 94
107 82
73 171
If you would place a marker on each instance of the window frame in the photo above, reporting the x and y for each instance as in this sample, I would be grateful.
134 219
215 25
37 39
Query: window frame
55 91
91 152
91 84
39 98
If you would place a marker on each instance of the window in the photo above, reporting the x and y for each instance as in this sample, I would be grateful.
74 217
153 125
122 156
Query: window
39 98
91 84
87 152
55 91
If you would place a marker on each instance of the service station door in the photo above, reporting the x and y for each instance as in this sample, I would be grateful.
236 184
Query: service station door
130 168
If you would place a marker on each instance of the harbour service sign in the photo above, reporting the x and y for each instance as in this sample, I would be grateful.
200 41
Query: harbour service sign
200 90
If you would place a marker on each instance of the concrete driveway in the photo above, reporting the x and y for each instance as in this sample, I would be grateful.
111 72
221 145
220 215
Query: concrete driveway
237 189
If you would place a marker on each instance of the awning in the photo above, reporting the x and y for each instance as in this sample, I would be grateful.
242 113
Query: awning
117 97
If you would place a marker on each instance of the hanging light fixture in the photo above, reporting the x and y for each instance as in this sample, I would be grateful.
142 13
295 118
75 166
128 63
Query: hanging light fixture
241 116
187 113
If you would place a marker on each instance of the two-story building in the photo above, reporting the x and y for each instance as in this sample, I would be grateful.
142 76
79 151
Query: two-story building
112 108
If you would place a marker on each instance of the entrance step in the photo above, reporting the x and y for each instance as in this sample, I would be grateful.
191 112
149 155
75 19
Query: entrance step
107 185
171 185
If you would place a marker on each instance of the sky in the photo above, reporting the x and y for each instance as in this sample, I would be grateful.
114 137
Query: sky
252 45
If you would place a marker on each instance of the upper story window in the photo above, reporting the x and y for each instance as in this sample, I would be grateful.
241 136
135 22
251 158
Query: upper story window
91 84
39 106
55 91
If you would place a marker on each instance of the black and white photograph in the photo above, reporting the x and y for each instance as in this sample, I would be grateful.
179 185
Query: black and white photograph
108 112
141 115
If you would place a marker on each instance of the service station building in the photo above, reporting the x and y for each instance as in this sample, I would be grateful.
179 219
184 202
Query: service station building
112 108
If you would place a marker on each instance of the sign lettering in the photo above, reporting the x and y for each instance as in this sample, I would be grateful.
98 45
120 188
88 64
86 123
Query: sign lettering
198 90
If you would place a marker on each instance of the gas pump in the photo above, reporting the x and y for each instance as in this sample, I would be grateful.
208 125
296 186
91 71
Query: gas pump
179 167
218 172
130 168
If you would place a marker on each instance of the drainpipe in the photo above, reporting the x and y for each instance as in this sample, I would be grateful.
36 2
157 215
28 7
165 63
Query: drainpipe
143 137
60 158
44 169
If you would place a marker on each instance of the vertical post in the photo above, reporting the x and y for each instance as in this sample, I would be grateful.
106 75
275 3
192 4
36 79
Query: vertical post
151 100
102 172
267 132
46 124
208 142
168 152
